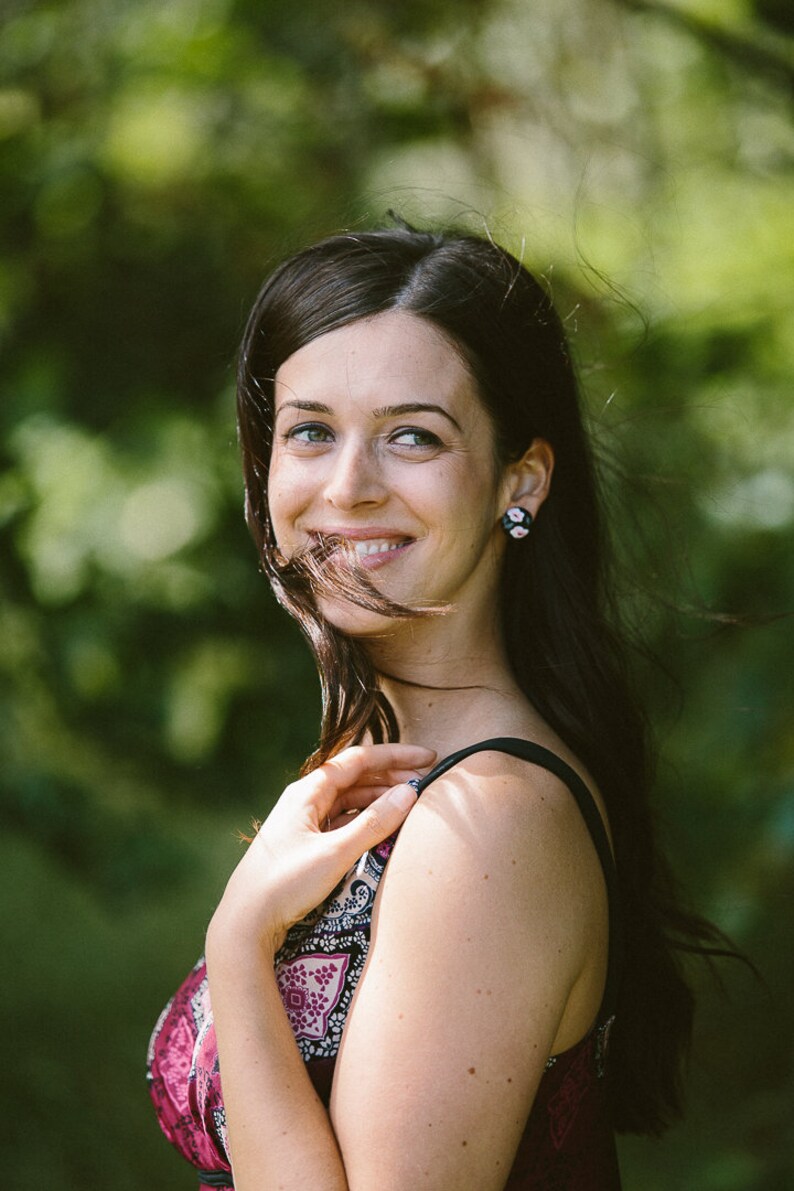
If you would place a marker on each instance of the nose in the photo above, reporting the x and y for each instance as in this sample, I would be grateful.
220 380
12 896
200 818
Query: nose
355 477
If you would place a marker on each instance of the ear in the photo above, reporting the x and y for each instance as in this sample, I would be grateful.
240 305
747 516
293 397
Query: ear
528 480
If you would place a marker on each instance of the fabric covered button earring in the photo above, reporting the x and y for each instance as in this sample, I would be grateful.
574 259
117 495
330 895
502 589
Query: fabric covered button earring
516 522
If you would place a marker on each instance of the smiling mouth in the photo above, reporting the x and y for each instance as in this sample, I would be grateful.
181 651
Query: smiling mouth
369 550
365 549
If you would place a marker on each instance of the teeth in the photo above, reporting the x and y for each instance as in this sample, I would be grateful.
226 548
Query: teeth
364 548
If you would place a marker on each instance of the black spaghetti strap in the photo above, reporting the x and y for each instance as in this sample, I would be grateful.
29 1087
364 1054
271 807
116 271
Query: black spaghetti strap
527 750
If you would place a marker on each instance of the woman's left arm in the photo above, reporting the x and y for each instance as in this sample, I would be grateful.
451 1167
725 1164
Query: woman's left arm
280 1133
488 954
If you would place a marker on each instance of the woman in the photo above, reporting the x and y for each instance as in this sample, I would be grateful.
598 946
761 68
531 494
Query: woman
421 492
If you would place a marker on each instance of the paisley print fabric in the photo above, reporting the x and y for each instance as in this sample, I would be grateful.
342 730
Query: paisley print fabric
321 961
568 1140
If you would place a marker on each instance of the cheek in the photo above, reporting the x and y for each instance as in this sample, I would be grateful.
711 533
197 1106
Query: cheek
470 499
283 500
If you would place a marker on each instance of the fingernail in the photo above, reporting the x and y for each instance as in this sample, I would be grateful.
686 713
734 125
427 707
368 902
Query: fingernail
404 796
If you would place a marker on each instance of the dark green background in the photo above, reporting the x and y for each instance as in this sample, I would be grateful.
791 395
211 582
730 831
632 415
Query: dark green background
155 160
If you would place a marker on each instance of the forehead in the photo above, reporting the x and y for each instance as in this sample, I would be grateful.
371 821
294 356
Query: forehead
393 354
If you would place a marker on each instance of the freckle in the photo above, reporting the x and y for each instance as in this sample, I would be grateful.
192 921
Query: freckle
479 992
485 878
512 861
472 1070
487 992
430 872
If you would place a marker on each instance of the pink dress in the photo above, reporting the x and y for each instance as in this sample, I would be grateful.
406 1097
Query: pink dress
567 1142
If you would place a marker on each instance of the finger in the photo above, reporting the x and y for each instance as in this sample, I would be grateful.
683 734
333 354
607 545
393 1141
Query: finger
358 833
368 759
345 807
392 777
358 765
334 821
361 795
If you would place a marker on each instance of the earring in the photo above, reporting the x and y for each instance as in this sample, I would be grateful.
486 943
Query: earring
516 522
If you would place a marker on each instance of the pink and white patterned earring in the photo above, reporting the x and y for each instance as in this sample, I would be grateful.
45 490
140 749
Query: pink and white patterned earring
516 522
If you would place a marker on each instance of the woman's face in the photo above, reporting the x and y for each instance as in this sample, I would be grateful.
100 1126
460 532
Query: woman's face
380 437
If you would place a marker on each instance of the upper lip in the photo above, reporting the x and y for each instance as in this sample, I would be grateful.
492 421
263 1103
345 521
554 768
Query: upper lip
366 533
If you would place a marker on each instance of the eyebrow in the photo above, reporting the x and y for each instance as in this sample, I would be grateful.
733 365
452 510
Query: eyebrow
384 411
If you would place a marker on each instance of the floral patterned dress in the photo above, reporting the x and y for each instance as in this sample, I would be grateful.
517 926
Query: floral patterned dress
567 1142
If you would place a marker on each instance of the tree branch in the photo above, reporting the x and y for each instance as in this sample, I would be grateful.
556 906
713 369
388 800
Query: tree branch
769 63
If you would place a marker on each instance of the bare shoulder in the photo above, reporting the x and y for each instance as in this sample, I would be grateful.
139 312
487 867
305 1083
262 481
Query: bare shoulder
496 805
501 845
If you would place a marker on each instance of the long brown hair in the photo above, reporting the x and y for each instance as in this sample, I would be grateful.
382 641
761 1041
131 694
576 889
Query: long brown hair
559 616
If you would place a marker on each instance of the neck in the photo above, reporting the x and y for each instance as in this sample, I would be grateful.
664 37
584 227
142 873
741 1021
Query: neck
448 685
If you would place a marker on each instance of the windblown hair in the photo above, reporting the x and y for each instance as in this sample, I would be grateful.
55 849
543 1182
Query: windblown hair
559 617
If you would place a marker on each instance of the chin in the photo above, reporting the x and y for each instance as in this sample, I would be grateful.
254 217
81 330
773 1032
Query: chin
354 621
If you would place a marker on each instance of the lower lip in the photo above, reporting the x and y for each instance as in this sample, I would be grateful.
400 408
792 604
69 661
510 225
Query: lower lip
371 562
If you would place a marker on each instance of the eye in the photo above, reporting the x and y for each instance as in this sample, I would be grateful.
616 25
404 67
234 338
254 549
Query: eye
415 438
308 434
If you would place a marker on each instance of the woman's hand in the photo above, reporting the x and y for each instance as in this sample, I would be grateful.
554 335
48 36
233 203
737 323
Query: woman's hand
319 827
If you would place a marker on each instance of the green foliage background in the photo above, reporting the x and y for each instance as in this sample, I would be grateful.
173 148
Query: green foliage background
155 160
